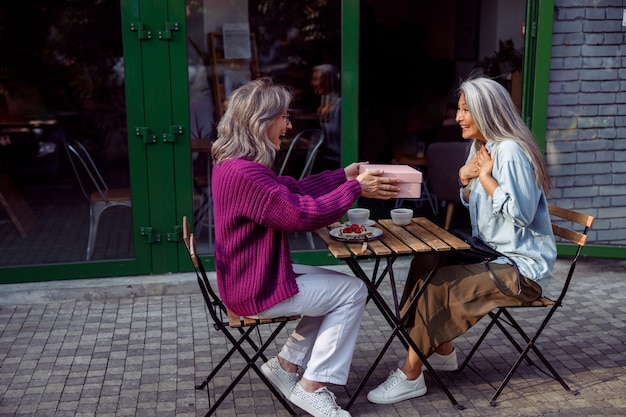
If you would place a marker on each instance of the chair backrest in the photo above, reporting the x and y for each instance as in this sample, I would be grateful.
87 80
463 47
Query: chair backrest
444 160
561 218
315 139
87 174
215 306
213 302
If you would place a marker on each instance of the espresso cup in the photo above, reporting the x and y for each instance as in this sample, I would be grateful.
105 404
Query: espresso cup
358 216
401 216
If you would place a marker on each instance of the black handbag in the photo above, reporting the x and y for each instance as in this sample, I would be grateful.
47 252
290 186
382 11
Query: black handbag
480 252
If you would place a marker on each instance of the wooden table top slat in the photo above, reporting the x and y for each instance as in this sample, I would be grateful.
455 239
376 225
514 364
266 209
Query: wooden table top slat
443 234
359 248
379 248
335 247
406 237
394 244
427 237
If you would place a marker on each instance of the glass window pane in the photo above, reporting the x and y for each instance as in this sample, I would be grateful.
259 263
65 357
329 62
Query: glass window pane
296 43
62 81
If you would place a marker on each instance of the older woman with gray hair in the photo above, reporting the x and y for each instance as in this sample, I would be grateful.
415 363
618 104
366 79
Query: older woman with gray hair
326 83
255 210
503 183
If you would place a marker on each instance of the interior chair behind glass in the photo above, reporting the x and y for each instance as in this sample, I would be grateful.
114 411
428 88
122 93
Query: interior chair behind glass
95 189
315 139
238 330
565 222
444 161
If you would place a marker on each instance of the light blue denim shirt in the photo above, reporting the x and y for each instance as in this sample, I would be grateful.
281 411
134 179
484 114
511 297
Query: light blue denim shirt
516 221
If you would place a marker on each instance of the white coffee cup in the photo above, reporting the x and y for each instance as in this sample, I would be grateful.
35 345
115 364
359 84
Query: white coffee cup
401 216
358 216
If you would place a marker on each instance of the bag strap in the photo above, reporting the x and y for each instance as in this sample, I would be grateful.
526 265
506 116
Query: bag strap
478 244
504 290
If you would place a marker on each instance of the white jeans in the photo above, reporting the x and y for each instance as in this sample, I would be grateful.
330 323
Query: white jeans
331 305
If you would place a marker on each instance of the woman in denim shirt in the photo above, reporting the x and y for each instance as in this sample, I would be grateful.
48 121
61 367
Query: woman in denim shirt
504 183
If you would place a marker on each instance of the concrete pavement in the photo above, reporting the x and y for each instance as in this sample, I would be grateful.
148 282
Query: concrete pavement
136 346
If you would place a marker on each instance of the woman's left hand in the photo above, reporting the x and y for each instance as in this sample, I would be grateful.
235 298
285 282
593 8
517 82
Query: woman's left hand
485 161
485 164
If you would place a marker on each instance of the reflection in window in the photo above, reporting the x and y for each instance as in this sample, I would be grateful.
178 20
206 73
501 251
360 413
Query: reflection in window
297 44
61 79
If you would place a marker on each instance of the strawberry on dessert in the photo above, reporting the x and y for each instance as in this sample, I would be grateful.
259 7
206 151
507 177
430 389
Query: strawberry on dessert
354 231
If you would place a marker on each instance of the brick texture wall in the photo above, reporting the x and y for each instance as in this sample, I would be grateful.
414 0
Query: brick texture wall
586 131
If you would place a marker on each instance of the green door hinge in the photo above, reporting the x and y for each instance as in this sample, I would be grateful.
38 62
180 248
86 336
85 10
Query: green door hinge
173 237
167 33
171 137
142 33
147 136
152 237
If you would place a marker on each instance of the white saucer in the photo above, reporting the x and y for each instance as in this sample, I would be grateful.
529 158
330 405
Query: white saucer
370 222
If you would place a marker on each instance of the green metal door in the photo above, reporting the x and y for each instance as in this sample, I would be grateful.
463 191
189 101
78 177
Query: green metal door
157 93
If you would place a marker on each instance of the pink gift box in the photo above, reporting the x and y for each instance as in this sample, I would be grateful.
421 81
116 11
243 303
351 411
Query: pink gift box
410 178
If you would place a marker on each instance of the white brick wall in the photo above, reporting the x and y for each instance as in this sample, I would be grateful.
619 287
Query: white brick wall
586 130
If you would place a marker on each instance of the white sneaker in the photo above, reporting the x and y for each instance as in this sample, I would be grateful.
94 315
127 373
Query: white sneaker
397 388
439 362
283 381
321 403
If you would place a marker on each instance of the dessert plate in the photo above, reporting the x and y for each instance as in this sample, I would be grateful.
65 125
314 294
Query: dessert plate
374 233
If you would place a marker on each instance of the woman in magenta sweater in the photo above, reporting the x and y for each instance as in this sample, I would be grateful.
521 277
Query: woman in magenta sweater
255 210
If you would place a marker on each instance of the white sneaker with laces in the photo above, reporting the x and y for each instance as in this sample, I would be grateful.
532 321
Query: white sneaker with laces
439 362
283 381
397 388
321 403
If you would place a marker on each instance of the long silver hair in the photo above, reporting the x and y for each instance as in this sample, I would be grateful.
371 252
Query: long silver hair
498 119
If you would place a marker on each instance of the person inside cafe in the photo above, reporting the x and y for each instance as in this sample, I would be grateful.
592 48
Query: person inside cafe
504 184
326 83
255 210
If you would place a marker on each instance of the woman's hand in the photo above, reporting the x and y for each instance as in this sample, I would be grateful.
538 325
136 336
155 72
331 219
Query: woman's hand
485 162
469 171
352 170
480 165
374 185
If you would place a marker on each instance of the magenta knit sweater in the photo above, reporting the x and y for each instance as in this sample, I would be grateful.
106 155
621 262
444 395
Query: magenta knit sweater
254 211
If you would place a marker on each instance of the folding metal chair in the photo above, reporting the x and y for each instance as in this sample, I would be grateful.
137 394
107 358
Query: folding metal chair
503 319
237 329
95 190
315 139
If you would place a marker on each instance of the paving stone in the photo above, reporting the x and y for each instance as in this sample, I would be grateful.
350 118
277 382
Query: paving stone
142 356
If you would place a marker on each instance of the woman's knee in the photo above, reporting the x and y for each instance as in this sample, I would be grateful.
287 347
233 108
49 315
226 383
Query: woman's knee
356 288
361 293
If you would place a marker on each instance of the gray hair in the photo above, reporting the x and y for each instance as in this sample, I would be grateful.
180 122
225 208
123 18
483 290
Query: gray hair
331 78
242 130
498 119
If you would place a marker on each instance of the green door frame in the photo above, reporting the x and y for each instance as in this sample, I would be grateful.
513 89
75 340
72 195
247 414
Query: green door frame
538 41
540 18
